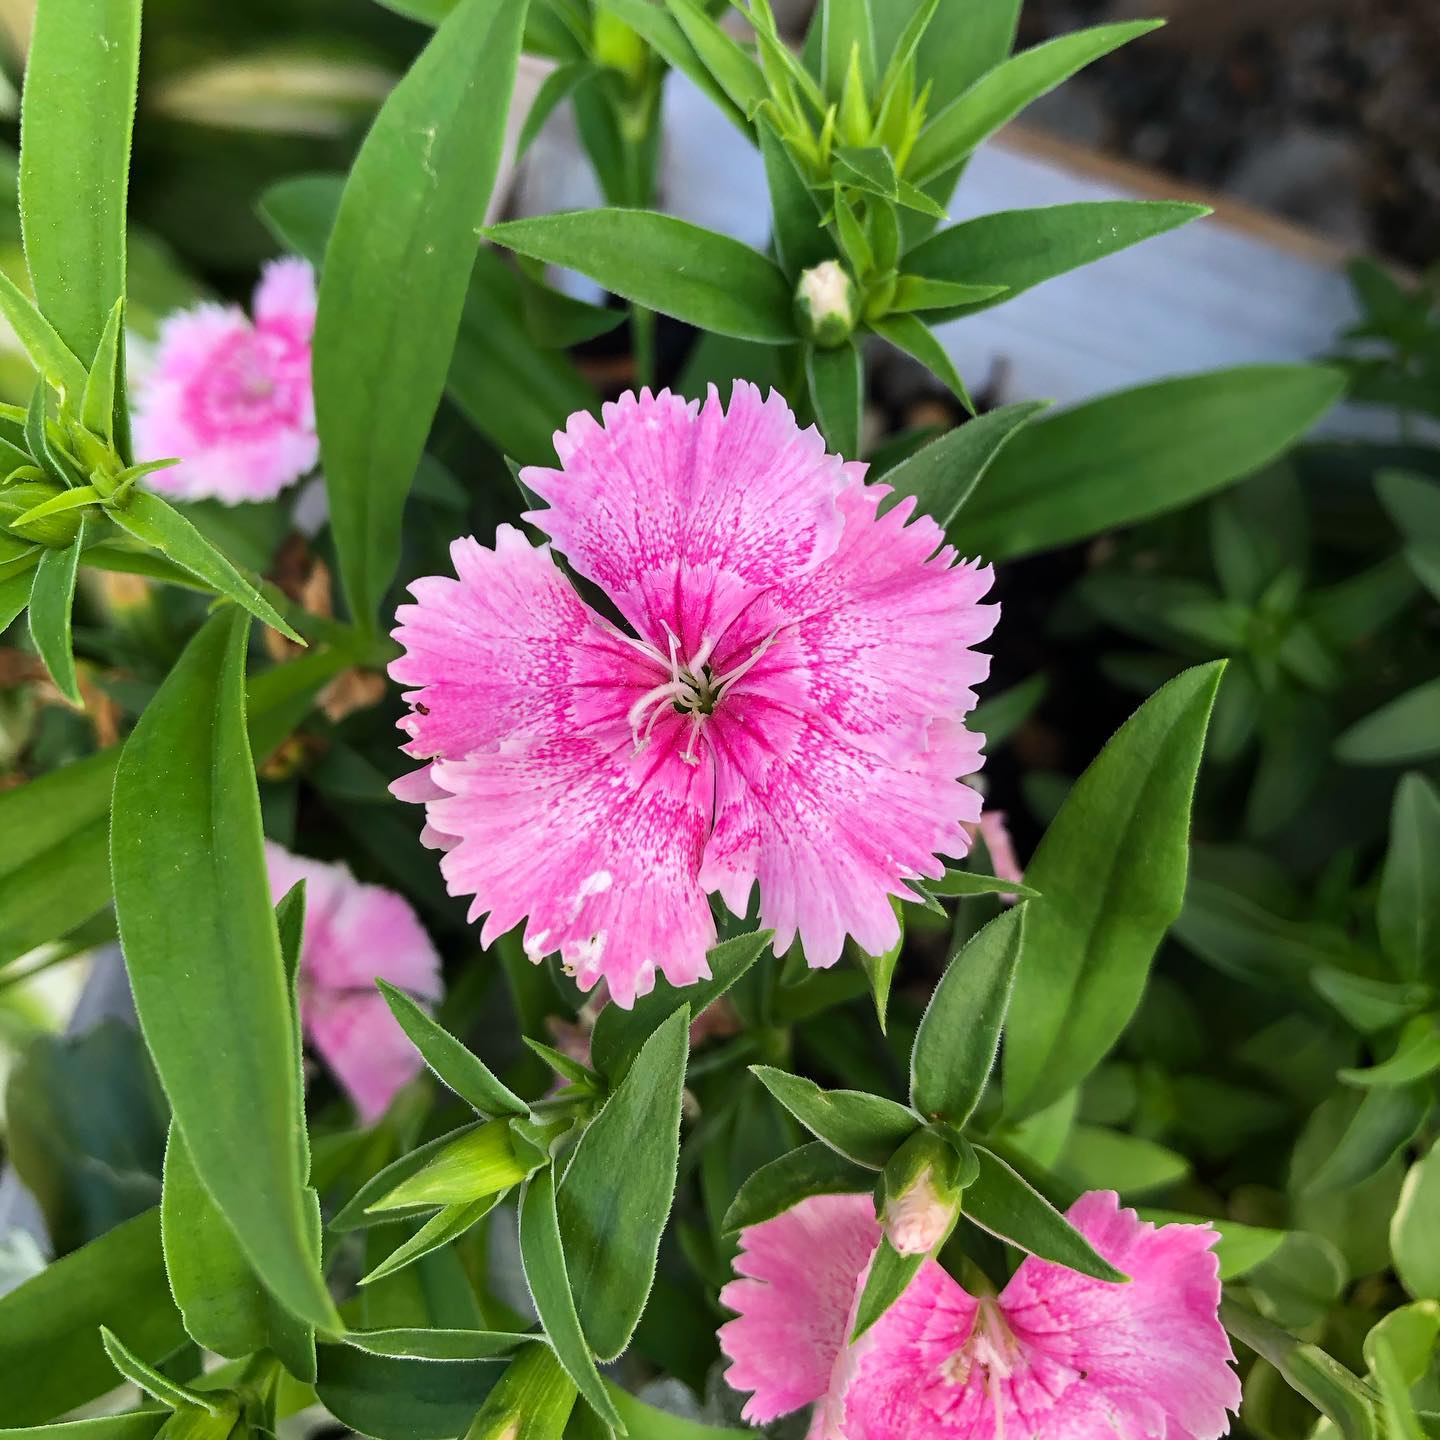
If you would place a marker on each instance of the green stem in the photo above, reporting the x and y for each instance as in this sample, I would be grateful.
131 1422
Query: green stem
642 338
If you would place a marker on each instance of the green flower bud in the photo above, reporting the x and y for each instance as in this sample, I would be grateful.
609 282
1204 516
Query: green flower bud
825 304
56 530
532 1401
922 1194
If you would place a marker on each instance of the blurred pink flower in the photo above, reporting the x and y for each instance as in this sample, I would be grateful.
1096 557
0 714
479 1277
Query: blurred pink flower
1004 864
786 708
1055 1356
231 397
354 934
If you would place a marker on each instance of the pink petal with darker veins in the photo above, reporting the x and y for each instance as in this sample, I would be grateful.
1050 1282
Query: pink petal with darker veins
594 846
800 1272
682 514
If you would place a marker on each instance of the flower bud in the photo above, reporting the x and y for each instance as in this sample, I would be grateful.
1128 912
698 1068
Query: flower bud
922 1194
56 530
825 304
532 1401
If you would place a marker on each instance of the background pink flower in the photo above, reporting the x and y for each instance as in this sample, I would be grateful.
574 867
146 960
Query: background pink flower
231 397
355 934
788 709
1055 1356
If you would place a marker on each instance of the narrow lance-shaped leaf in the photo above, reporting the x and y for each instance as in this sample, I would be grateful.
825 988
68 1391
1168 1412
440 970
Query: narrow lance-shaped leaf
960 1032
618 1188
867 1129
1001 1201
801 242
149 518
619 1034
49 353
845 29
1111 875
837 381
466 1074
709 280
1015 249
1001 95
75 123
1414 1226
161 1387
943 474
543 1257
190 884
51 602
395 275
1140 452
918 341
813 1169
1401 732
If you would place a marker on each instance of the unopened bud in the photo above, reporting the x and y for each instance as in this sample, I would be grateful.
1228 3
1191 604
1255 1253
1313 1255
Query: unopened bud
825 304
56 530
922 1194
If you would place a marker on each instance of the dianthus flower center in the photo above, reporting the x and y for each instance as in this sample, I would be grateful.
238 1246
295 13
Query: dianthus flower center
691 687
246 389
990 1348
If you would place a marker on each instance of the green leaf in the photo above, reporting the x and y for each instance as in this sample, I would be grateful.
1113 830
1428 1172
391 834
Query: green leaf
619 1034
1001 715
190 878
1000 1201
942 475
1404 730
555 89
466 1074
920 293
1415 1228
1369 1005
890 1274
437 1344
159 1386
77 112
447 1224
618 1189
1416 1055
959 1034
845 28
664 35
51 1356
104 382
967 882
132 1425
214 1285
736 74
867 1129
868 168
704 278
1017 249
45 348
1385 1121
880 969
1307 1370
14 596
1411 1333
1097 1158
543 1256
837 392
357 1213
300 212
1111 876
480 1161
1005 91
395 276
149 518
813 1169
1138 453
918 341
54 852
801 242
394 1398
52 599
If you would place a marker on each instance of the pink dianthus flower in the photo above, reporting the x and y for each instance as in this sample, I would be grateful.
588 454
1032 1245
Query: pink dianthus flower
355 933
782 701
231 397
1055 1356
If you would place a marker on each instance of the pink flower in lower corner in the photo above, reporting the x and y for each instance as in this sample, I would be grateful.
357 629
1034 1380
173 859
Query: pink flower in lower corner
231 397
782 703
355 934
1055 1356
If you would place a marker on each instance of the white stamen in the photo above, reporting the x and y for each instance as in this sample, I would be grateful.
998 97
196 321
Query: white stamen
724 682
